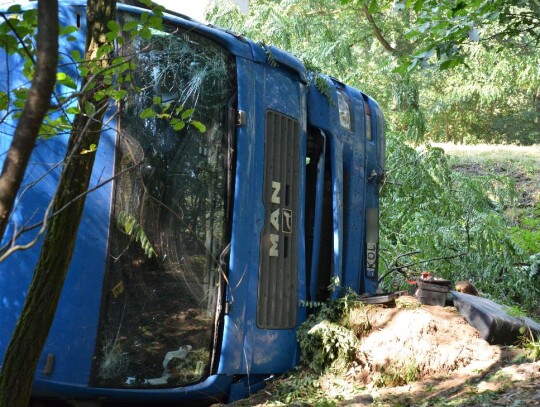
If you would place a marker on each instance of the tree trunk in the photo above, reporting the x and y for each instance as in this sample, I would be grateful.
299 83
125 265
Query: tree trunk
34 111
33 326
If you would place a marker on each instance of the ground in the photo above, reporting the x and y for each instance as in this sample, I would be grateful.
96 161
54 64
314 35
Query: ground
516 162
415 355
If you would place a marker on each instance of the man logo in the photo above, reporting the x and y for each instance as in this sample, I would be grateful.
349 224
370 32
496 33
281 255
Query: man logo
287 221
280 219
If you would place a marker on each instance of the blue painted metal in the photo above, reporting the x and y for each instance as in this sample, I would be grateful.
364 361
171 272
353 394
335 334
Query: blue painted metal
212 388
374 170
254 350
317 223
73 332
245 348
354 166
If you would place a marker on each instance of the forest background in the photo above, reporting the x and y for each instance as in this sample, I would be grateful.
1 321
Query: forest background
451 70
465 72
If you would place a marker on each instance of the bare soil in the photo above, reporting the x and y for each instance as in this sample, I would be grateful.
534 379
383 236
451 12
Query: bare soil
455 365
417 355
427 341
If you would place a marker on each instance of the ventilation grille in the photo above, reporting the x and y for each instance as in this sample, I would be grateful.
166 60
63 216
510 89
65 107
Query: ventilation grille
278 274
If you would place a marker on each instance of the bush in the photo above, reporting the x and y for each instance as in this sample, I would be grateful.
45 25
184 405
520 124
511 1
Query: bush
325 338
451 224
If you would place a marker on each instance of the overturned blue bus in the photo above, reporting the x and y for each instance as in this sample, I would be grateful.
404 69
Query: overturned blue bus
193 265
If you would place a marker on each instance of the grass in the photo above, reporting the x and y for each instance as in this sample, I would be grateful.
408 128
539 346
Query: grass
518 164
496 152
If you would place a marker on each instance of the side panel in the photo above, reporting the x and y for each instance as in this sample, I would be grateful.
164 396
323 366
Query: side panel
347 159
354 185
247 347
323 114
375 149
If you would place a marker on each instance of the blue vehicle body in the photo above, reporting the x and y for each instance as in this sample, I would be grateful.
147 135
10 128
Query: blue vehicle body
285 241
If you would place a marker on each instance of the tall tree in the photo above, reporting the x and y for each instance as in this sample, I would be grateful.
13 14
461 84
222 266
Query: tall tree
33 326
34 111
446 29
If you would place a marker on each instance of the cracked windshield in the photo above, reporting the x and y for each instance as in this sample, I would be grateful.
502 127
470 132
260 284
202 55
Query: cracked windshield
168 227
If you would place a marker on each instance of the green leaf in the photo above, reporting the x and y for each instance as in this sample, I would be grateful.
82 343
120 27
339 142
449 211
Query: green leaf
99 95
76 55
373 7
187 113
131 227
89 108
118 94
9 43
145 33
198 125
179 109
92 148
156 22
65 80
113 26
147 113
104 50
70 29
178 125
73 110
16 8
111 36
131 25
3 100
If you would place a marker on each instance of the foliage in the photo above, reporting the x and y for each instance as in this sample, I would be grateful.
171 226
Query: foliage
328 344
325 338
528 340
491 94
298 386
131 227
397 375
527 234
447 29
452 224
532 346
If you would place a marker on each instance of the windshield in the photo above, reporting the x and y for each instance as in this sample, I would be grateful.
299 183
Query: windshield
168 223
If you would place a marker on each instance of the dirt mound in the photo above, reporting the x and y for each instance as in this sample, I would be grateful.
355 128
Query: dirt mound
410 342
413 355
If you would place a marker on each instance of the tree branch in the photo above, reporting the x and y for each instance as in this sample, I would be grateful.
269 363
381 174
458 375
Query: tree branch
34 111
377 31
399 269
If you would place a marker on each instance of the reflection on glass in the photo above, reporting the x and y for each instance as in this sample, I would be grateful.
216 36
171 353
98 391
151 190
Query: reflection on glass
168 218
344 110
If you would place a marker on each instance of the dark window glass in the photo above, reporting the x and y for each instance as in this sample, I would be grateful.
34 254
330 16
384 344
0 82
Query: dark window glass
367 109
168 217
